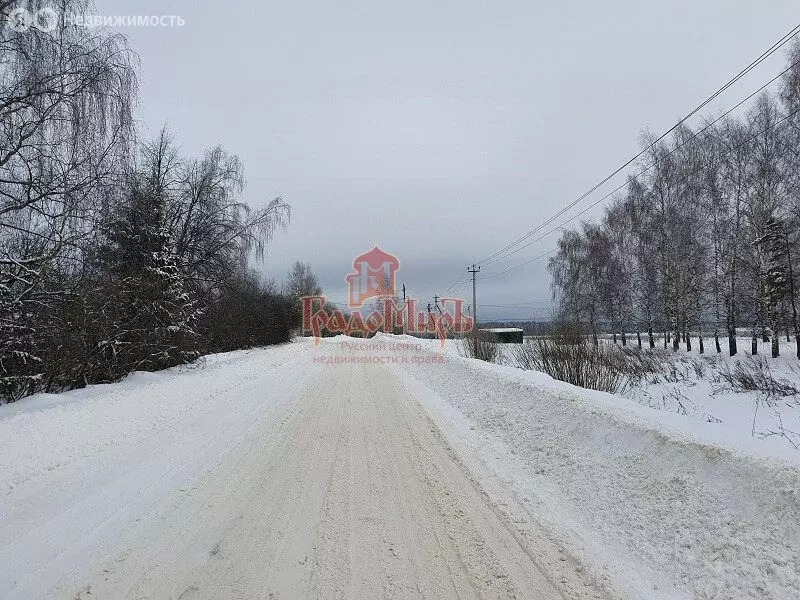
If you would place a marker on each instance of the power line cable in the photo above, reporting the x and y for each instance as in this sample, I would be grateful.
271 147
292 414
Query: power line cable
643 171
749 139
764 55
463 274
527 262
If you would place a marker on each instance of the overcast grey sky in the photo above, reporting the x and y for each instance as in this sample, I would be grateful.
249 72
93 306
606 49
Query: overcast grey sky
438 130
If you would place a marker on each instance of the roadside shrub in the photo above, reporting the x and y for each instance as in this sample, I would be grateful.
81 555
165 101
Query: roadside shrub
480 345
603 367
583 364
755 375
699 368
246 313
642 364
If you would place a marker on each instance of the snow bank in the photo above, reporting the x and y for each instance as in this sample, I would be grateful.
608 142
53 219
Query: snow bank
86 474
661 500
718 418
45 432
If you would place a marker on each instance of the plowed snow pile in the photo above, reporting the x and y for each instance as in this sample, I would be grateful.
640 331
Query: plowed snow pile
655 498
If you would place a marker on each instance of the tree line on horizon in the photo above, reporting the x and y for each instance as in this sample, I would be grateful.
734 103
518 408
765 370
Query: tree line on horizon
704 240
117 254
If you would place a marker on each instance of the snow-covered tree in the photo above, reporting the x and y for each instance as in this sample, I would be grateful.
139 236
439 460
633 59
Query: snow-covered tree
146 313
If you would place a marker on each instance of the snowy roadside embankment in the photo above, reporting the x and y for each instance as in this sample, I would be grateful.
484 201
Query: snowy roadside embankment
46 432
659 499
85 472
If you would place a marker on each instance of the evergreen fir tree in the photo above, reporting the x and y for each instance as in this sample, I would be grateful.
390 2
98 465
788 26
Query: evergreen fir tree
153 315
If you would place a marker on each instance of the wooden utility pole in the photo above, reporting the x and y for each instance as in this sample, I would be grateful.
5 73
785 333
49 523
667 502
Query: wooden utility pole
436 304
474 271
405 312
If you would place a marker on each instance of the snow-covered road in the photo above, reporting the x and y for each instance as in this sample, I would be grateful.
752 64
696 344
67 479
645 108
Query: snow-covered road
268 476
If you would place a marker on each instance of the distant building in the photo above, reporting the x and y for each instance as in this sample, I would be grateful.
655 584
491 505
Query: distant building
506 335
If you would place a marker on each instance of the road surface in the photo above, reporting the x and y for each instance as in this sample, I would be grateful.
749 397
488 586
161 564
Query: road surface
301 480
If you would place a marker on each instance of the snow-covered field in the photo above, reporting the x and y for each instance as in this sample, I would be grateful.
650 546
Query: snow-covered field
269 474
695 386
